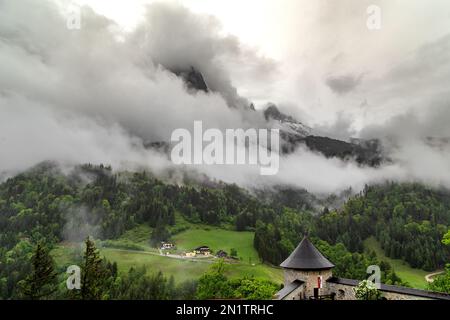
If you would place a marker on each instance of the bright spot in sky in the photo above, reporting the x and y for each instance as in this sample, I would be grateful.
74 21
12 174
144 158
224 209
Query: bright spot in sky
249 20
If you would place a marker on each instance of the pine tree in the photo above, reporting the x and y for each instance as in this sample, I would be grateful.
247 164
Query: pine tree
42 282
94 273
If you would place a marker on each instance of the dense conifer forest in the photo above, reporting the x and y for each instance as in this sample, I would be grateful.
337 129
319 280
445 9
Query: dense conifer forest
46 205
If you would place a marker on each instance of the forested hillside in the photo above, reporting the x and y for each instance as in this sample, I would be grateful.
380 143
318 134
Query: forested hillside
45 205
41 202
409 220
48 205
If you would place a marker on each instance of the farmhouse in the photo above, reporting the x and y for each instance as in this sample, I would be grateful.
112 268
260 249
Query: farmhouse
166 245
189 254
308 276
204 250
221 254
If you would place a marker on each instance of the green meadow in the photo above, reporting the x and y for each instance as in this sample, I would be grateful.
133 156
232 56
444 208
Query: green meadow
133 250
415 277
219 239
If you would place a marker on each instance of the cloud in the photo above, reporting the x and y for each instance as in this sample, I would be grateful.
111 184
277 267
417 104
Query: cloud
343 84
340 129
79 225
31 133
97 95
87 95
414 96
179 39
89 72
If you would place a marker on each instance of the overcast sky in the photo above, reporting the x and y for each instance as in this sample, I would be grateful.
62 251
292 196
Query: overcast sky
95 94
330 65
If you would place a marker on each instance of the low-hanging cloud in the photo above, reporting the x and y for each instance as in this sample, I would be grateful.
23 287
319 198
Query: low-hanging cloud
90 96
93 95
343 84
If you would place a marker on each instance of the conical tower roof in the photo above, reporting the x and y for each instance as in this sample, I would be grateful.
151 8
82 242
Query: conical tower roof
306 257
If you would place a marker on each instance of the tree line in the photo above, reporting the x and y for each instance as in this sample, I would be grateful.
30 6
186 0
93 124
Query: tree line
42 205
99 280
408 220
36 206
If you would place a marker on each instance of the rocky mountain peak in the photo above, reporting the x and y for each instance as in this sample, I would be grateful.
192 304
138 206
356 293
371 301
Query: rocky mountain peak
193 79
286 123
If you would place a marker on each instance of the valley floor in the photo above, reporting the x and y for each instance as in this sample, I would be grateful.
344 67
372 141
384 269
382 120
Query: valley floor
182 269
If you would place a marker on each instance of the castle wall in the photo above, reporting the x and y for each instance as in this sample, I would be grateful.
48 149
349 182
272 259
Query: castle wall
297 294
310 279
307 256
345 292
400 296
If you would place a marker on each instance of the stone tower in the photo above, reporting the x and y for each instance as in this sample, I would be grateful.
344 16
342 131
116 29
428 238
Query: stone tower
308 265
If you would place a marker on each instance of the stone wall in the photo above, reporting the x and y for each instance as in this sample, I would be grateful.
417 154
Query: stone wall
341 291
345 292
310 279
401 296
297 294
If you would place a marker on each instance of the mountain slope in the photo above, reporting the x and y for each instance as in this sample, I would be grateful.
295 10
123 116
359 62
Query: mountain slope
294 133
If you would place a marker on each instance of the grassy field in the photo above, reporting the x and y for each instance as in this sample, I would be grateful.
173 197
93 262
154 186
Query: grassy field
181 269
219 239
197 235
139 235
415 277
66 254
185 269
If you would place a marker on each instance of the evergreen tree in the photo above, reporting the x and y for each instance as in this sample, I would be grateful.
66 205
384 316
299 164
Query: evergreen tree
42 282
93 273
442 282
159 233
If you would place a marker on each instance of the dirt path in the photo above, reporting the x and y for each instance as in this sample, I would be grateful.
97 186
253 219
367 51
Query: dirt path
165 255
429 277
